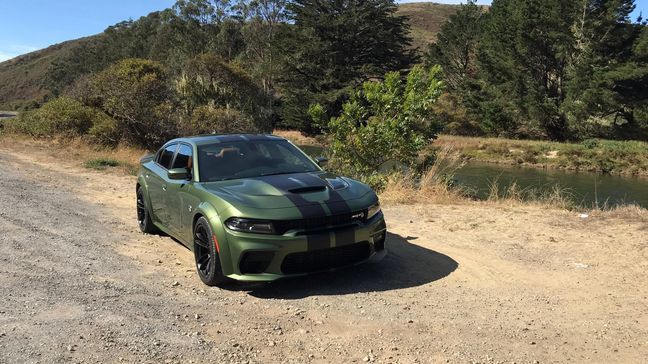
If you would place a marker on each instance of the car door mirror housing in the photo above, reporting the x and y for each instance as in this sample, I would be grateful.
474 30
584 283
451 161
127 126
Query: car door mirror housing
321 161
179 174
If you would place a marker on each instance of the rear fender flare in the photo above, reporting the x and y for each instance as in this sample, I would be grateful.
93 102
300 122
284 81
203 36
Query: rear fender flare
141 182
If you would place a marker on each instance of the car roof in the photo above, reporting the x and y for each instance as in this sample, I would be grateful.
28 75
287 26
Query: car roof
225 138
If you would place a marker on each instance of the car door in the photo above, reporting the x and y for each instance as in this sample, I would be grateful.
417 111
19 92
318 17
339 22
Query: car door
179 201
157 183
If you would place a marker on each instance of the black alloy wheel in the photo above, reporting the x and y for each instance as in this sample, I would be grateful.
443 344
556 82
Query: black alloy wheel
208 262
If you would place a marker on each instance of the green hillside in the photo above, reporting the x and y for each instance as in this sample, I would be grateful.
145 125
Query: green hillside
426 20
23 79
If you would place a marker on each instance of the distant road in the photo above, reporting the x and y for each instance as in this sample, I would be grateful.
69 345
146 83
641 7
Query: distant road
7 114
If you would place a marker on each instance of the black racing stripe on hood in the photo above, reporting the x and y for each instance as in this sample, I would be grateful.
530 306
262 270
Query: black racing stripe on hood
306 208
337 205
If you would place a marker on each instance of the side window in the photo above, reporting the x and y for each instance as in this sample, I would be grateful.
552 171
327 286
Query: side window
183 158
166 155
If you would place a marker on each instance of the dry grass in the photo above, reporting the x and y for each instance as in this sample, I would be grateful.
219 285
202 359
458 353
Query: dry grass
625 212
434 186
79 150
300 139
556 197
426 20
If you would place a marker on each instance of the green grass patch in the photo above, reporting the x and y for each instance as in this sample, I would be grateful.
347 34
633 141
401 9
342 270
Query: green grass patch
595 155
102 163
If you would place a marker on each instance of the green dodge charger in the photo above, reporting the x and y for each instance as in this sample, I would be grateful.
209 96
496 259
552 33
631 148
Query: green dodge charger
257 208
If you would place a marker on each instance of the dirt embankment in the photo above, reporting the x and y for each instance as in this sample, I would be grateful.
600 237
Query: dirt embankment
472 282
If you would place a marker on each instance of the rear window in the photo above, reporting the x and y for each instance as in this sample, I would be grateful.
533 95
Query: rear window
165 156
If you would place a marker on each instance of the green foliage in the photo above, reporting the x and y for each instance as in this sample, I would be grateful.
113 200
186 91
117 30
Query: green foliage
386 122
456 47
210 120
332 47
594 155
104 131
101 163
555 69
208 80
135 93
590 143
607 88
61 116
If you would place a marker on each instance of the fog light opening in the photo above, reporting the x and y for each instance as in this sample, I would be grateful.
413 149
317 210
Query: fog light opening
379 241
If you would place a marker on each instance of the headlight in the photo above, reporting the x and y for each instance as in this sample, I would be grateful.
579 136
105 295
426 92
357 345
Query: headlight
250 225
373 210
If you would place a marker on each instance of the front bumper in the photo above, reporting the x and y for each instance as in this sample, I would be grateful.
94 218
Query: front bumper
259 257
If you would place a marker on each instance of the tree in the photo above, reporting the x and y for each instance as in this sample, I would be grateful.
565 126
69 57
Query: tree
262 21
456 46
524 57
608 85
386 121
208 80
334 46
135 93
456 52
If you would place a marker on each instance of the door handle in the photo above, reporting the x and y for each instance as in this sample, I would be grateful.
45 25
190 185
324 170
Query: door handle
164 188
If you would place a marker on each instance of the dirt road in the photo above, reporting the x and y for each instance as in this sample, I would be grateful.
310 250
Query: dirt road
473 282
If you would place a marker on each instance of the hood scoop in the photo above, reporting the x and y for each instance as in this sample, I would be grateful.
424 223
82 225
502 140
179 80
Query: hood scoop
308 189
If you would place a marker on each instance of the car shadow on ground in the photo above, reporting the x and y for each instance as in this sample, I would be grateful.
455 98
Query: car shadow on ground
406 265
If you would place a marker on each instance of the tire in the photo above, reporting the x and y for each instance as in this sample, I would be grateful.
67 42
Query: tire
143 215
208 264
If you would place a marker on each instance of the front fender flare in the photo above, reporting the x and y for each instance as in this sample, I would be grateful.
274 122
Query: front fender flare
208 211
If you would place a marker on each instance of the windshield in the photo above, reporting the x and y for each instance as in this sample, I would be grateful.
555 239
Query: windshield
244 159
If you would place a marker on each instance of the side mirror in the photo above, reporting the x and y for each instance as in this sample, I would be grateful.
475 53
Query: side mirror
321 161
178 174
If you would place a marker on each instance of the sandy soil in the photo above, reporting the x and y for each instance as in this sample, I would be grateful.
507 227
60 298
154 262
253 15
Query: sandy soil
470 282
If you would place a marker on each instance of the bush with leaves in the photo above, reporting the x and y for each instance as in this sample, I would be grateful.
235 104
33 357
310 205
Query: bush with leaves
208 80
104 131
61 116
386 123
208 119
135 93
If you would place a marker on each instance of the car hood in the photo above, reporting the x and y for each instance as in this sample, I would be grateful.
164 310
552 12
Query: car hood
290 190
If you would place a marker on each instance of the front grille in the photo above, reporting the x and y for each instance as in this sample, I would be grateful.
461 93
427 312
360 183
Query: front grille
319 223
318 260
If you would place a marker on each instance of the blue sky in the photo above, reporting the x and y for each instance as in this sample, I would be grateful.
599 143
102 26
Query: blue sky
28 25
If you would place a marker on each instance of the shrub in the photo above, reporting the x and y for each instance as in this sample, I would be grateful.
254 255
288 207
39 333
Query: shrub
104 131
211 120
135 93
386 123
590 143
209 80
101 163
61 116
